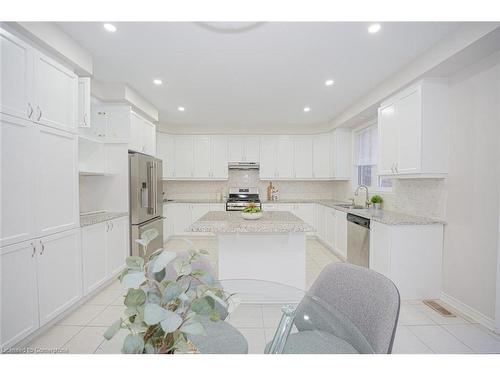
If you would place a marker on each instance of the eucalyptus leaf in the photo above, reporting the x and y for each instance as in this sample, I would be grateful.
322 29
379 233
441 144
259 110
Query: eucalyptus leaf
149 349
171 322
113 330
154 314
149 235
163 260
219 300
154 297
203 306
194 328
135 297
214 316
182 268
135 263
133 280
172 291
133 344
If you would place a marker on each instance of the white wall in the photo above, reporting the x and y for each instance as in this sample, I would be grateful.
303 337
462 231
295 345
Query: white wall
471 233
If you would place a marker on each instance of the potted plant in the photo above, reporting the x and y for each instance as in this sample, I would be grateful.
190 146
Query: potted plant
251 212
376 201
161 313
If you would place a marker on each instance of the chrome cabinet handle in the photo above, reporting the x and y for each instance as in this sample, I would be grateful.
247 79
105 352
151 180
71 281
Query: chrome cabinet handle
30 110
34 249
112 225
85 119
39 113
43 248
107 226
396 167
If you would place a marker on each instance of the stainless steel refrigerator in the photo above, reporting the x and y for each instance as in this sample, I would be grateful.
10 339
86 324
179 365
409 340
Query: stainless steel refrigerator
146 206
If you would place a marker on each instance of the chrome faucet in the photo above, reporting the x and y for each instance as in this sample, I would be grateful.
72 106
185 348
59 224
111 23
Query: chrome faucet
367 200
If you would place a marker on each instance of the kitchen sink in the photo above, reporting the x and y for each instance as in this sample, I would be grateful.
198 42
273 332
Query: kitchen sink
350 206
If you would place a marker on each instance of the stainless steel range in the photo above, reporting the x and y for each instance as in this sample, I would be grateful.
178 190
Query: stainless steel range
239 198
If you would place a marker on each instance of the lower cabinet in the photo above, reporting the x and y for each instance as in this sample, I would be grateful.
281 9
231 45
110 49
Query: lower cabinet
39 280
104 250
341 233
409 255
330 222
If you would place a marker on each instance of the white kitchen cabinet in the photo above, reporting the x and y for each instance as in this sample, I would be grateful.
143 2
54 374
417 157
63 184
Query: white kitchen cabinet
341 233
330 226
198 210
169 221
217 207
56 178
243 148
219 158
17 162
321 156
284 158
165 150
93 256
413 131
19 294
117 245
409 255
303 157
135 140
55 94
341 154
59 275
148 137
84 102
184 156
320 222
305 211
111 123
268 158
202 166
17 77
180 215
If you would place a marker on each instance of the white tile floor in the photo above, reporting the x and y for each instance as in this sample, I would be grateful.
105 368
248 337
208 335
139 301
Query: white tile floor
420 330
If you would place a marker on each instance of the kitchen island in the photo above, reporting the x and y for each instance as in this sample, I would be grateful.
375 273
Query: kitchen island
272 248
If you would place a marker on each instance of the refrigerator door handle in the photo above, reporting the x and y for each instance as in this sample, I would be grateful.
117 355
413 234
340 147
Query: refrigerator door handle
150 166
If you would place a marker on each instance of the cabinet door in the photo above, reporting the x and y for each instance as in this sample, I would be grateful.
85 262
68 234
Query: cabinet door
181 217
168 222
387 139
148 137
380 248
84 102
252 148
201 167
321 156
303 155
58 273
342 154
17 162
268 146
305 211
341 233
285 158
16 71
235 148
198 210
320 222
135 141
55 91
330 227
93 256
165 151
57 181
117 247
184 162
219 157
409 122
19 298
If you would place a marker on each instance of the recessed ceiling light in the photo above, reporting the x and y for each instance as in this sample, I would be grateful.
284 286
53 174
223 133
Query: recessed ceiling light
181 109
374 28
109 27
307 109
329 82
157 82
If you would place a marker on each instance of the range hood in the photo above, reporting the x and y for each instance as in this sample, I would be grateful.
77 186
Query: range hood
243 165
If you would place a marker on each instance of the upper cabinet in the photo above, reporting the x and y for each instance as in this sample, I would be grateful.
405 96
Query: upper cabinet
35 87
165 146
142 135
321 156
243 148
84 102
414 131
341 154
303 157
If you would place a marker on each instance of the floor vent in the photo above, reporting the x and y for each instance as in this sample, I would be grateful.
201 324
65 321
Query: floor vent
438 308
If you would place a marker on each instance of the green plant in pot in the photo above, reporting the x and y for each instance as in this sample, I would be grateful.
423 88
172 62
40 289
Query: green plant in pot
162 312
376 201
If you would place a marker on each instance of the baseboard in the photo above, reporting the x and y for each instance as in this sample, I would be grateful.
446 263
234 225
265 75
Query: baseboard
468 311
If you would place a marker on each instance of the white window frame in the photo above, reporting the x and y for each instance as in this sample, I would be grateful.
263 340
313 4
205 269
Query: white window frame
376 188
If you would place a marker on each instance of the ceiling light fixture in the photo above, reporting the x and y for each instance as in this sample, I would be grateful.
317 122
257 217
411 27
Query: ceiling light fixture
109 27
181 109
329 82
157 82
307 109
374 28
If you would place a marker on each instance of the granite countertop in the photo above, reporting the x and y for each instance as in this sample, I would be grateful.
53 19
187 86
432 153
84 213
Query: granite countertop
193 201
233 222
99 217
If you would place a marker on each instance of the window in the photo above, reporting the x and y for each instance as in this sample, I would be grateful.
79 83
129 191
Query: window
365 145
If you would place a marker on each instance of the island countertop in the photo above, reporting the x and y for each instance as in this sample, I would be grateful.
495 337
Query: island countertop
233 222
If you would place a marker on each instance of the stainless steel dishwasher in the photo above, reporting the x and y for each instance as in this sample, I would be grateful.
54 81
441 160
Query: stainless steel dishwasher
358 240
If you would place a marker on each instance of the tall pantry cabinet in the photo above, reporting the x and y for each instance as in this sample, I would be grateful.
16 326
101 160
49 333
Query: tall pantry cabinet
39 234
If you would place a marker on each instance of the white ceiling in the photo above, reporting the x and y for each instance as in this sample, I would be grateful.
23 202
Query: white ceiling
259 78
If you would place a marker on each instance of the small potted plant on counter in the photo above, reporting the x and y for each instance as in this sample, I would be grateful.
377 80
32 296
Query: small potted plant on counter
251 212
376 201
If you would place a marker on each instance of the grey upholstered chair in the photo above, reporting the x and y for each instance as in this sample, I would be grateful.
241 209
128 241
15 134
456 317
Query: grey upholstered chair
370 301
222 337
